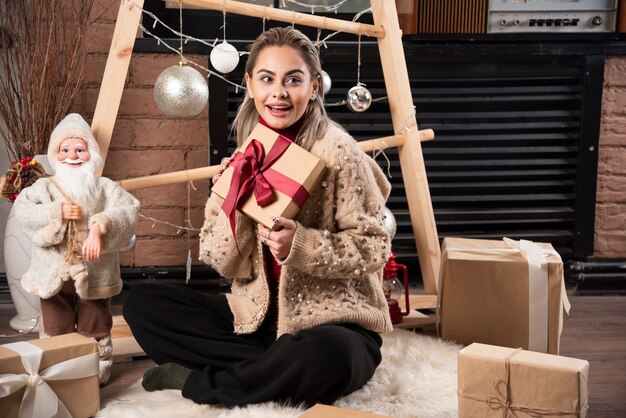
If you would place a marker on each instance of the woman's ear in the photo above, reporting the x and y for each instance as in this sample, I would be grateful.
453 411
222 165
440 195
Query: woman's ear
249 90
316 87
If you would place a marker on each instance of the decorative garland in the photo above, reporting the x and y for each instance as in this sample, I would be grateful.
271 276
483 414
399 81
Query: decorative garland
184 38
20 175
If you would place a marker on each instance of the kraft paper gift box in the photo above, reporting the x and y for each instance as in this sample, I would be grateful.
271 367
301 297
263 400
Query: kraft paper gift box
57 374
285 172
507 293
506 382
326 411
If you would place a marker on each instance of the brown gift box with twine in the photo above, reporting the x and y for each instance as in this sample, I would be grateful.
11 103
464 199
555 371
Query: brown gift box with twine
74 387
506 382
490 292
296 166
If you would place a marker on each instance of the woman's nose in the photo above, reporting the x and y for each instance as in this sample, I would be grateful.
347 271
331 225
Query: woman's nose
280 91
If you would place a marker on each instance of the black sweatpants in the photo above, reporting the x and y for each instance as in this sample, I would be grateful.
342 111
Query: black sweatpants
179 325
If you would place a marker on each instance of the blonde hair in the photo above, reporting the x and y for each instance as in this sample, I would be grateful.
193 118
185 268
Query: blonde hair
316 120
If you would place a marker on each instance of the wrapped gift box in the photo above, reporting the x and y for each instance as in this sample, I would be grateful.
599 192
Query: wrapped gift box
507 382
326 411
495 292
292 176
49 374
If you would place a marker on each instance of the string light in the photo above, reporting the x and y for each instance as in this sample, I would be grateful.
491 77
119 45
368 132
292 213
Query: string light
354 19
403 129
382 151
187 38
178 227
174 31
331 8
190 61
344 101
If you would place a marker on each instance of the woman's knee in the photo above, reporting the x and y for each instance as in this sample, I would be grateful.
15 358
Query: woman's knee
339 348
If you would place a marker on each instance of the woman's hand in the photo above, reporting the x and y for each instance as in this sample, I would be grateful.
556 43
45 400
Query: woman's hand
223 165
93 244
279 242
70 212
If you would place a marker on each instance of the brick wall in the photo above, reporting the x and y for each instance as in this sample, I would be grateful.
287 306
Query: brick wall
146 142
610 227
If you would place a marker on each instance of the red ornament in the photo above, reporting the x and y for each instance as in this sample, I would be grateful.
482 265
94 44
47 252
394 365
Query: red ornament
28 159
23 161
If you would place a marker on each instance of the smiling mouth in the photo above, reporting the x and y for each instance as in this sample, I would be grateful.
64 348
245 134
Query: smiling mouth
281 108
73 162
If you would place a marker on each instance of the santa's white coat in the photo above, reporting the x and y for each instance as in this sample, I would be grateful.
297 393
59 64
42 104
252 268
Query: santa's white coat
38 211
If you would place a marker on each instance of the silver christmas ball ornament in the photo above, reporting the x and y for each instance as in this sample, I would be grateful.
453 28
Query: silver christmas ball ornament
181 91
326 82
390 222
359 99
224 57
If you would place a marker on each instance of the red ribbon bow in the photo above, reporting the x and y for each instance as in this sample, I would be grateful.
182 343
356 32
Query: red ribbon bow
252 172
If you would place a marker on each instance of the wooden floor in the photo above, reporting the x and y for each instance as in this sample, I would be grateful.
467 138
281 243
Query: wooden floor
595 331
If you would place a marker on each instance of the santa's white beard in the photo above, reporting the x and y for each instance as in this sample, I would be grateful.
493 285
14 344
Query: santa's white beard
80 183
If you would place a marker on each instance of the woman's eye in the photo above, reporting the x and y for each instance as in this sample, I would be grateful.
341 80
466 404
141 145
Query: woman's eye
293 80
266 79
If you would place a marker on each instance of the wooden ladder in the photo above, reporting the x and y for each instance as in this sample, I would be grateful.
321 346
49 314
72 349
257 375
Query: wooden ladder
406 137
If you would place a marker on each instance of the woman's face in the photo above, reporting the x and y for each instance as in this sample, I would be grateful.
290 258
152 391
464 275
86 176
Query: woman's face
281 86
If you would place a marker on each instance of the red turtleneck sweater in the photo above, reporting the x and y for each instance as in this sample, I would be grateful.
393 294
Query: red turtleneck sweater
272 268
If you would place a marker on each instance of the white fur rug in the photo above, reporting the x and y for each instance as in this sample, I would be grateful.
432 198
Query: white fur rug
417 378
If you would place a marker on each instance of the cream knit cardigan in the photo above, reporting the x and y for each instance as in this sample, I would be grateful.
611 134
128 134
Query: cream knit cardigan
333 273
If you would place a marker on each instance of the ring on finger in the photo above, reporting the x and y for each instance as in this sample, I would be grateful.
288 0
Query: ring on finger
265 241
268 234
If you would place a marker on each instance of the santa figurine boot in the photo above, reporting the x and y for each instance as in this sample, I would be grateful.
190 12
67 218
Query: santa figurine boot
105 351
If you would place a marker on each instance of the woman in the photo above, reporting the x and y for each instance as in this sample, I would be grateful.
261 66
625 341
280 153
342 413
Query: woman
303 319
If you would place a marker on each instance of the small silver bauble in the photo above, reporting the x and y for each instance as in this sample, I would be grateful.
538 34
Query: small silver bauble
359 99
181 91
326 83
224 57
390 222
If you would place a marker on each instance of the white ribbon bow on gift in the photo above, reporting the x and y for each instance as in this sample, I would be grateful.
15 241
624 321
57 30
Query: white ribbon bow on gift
39 399
538 291
538 287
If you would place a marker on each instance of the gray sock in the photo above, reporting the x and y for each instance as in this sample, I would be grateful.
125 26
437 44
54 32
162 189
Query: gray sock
165 376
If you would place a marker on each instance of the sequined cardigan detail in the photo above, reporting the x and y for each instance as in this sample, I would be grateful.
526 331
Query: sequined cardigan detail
333 273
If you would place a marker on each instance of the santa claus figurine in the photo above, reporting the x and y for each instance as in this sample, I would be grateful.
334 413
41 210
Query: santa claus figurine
77 222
